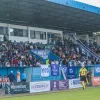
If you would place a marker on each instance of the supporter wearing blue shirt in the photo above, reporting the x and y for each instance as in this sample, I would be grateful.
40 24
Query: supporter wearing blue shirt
20 63
24 77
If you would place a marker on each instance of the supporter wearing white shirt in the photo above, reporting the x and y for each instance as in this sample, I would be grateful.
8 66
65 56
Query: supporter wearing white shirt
83 63
8 64
52 62
70 63
75 63
38 64
18 76
56 62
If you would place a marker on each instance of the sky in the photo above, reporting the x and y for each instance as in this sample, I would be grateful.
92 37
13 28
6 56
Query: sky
91 2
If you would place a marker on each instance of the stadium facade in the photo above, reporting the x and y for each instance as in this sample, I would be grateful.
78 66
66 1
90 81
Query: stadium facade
37 20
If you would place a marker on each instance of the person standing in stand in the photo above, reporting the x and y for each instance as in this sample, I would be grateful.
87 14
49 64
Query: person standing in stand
4 81
11 77
18 76
24 77
1 81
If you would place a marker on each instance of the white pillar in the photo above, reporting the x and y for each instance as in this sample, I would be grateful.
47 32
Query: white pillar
62 37
98 40
8 31
87 38
47 37
28 34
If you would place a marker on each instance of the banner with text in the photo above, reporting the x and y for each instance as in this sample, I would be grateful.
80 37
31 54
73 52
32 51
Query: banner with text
71 72
55 70
97 70
40 86
74 83
17 88
42 53
59 85
96 81
44 71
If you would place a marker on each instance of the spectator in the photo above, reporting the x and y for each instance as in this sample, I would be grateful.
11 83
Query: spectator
47 62
11 77
18 76
1 81
7 64
20 63
38 64
15 62
24 77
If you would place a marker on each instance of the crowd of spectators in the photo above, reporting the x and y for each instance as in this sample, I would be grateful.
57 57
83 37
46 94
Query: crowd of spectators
18 54
72 54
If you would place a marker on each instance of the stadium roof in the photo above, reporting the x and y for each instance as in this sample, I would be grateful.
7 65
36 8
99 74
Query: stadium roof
51 14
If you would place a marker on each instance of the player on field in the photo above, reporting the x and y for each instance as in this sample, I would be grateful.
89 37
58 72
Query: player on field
83 76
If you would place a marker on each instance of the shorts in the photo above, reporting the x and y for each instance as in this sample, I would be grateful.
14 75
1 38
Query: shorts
83 78
18 80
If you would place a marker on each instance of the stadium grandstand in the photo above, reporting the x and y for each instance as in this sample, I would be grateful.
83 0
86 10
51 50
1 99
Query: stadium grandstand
38 32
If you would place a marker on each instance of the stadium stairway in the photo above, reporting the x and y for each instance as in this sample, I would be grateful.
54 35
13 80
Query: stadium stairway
90 52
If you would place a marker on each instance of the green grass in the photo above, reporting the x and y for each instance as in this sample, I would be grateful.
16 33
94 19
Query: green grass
77 94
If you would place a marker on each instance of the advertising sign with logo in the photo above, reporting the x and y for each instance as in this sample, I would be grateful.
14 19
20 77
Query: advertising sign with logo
96 81
97 71
44 71
59 85
54 85
71 72
17 88
41 86
54 70
63 85
74 83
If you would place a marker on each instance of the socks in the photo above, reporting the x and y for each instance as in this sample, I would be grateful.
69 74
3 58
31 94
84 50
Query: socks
87 81
84 84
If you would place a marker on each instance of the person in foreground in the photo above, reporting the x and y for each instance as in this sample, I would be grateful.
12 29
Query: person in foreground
83 76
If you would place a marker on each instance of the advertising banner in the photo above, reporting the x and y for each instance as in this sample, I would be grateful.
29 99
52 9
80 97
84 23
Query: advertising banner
44 71
42 53
59 85
17 88
54 70
63 85
54 85
40 86
71 72
74 83
96 81
97 70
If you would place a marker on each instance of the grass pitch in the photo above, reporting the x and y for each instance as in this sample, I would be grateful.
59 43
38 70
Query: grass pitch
77 94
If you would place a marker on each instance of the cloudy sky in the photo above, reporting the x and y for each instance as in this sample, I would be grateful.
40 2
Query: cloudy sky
91 2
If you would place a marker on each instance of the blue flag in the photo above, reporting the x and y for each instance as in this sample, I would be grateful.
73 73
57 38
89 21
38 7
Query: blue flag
71 72
54 70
